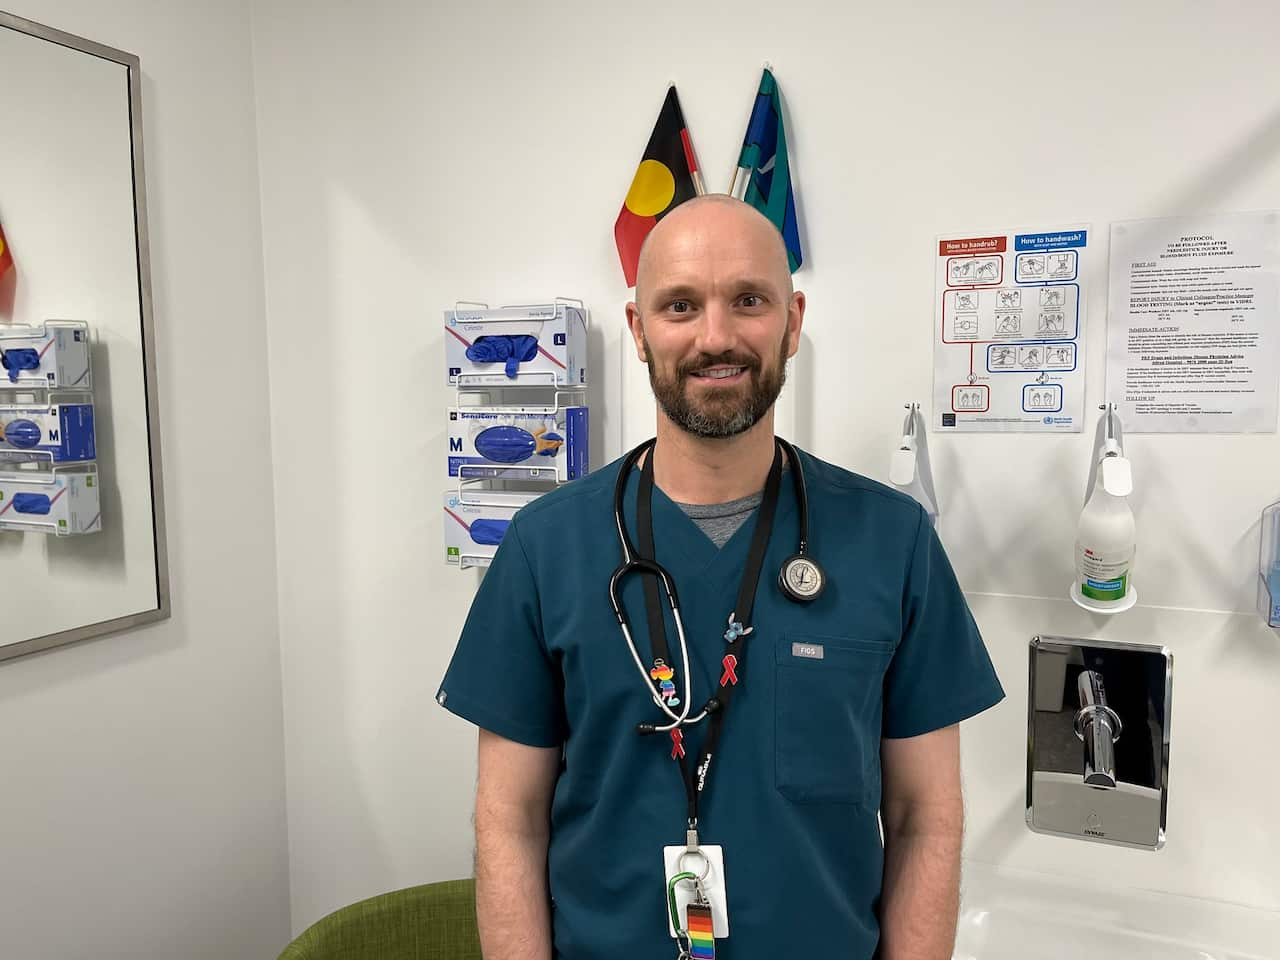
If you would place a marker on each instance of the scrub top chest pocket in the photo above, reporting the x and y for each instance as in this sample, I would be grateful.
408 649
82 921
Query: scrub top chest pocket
828 709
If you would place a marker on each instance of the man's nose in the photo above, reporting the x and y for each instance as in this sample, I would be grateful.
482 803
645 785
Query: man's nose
716 334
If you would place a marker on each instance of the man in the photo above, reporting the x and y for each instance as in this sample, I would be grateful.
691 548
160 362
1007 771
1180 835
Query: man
842 708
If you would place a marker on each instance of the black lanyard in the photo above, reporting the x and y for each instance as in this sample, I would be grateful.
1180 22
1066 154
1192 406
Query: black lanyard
737 626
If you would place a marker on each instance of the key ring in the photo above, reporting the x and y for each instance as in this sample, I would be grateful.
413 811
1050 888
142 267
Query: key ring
706 862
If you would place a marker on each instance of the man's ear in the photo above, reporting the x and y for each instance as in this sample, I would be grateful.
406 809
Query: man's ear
795 321
635 325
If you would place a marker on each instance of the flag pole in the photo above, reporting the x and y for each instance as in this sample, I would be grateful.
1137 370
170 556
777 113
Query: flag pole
699 187
737 167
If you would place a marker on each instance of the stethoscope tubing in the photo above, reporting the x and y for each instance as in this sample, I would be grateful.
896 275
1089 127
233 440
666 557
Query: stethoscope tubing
633 563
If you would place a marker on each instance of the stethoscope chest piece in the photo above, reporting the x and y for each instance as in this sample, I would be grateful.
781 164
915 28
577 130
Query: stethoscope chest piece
801 578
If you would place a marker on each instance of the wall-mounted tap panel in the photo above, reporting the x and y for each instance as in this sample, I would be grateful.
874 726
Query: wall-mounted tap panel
1098 740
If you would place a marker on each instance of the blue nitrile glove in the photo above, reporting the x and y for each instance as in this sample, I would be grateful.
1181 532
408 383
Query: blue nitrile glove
23 434
489 533
505 444
515 349
23 358
32 503
549 444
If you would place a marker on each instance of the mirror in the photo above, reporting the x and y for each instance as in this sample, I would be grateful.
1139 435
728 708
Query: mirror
82 538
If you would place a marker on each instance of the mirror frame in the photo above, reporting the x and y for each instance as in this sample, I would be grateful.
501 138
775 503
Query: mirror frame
163 609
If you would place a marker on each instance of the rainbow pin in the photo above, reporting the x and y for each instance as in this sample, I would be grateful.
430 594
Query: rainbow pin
662 675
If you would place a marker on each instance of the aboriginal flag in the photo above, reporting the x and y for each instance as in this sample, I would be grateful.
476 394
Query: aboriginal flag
6 258
667 177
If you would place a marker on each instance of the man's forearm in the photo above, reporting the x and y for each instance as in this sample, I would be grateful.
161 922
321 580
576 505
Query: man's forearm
512 901
921 893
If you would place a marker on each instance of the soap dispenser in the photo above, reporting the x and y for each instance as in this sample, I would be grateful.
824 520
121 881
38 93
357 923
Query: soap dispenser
1269 566
1106 534
909 469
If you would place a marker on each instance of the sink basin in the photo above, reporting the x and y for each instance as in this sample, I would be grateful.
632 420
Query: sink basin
1010 914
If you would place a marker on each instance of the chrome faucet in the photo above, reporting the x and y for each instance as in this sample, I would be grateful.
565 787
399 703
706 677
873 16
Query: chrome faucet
1099 727
1084 687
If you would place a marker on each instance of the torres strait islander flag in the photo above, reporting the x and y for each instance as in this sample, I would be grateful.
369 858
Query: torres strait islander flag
765 168
667 177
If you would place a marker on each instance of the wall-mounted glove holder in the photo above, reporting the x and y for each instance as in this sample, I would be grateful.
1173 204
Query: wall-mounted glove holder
51 356
520 442
58 429
542 344
519 425
62 501
475 522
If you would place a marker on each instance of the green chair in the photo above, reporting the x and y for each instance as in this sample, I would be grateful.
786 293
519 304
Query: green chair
436 921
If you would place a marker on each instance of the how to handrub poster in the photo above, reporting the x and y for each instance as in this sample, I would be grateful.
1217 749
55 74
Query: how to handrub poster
1009 332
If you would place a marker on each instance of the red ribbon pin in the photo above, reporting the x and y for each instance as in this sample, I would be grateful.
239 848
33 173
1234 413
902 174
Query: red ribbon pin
677 744
730 667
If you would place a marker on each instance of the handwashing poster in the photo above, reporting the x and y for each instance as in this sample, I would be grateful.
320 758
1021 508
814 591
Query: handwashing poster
1008 353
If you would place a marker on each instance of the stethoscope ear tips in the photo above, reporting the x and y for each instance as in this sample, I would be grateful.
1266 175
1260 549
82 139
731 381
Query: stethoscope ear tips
646 729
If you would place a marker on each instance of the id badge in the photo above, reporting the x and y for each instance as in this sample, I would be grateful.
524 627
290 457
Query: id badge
713 885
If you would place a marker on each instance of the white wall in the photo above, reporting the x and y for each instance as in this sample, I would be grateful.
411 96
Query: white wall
141 788
416 154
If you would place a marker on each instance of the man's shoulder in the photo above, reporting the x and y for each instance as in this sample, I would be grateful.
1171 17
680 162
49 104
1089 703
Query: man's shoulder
845 487
845 483
578 501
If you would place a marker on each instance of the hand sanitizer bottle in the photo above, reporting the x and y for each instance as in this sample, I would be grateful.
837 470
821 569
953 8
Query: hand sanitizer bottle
1106 539
1269 567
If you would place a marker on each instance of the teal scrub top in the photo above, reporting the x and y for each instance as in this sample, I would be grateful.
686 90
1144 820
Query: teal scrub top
794 793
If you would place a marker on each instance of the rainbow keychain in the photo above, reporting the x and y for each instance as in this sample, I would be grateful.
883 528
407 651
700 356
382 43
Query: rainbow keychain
697 941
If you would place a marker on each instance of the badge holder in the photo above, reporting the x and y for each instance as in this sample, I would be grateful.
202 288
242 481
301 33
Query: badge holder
702 900
700 897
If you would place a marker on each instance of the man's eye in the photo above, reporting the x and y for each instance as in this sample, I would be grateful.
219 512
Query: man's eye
679 306
752 300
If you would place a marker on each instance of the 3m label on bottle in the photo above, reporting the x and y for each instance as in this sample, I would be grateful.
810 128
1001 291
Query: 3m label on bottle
1104 577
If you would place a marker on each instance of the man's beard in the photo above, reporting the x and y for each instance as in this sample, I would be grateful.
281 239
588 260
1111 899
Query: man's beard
719 416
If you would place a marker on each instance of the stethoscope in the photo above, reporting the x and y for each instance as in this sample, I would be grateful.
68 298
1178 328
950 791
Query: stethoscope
800 579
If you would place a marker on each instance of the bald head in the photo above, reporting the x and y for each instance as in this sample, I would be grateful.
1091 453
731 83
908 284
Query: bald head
715 317
711 230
